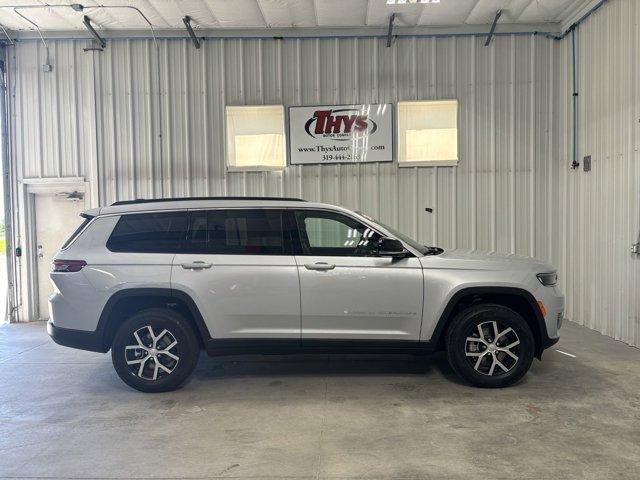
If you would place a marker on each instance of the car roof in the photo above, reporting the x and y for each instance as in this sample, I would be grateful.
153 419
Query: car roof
144 205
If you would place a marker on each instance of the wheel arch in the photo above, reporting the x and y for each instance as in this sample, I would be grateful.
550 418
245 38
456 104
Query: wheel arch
518 299
124 303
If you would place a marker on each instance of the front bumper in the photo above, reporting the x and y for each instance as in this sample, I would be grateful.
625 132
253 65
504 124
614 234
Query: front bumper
81 339
553 301
549 342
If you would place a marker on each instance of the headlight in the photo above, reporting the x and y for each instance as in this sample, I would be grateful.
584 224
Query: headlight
548 279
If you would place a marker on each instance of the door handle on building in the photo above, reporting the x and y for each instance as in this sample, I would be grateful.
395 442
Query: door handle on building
635 248
319 266
197 265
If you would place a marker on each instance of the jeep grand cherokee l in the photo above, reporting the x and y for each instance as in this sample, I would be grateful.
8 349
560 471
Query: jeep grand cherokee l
155 281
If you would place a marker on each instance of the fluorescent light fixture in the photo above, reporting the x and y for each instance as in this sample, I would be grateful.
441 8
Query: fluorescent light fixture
404 2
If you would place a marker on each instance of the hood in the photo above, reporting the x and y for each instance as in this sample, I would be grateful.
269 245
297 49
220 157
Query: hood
478 260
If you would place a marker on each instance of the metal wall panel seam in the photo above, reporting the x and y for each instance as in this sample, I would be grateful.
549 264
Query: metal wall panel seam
552 133
532 140
94 183
492 151
472 156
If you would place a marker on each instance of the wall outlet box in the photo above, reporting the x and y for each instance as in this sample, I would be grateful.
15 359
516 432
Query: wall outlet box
586 163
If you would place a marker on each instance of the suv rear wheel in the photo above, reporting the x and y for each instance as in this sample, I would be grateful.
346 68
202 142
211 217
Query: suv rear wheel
490 345
155 350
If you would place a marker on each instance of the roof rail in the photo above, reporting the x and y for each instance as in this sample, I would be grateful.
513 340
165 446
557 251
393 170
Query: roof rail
185 199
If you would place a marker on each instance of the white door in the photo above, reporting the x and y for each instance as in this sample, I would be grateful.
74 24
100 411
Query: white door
240 272
56 218
349 293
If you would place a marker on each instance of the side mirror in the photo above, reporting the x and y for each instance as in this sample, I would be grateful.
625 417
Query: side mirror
390 247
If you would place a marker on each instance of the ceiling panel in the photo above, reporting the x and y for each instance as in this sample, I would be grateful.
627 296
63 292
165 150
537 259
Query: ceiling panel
515 8
341 13
211 14
117 18
236 13
406 15
172 13
288 13
21 18
545 10
444 13
484 11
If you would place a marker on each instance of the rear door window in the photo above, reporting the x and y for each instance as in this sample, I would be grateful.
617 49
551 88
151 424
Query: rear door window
239 232
159 232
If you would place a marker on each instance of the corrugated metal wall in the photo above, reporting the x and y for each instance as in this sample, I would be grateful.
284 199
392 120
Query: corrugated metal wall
103 111
601 208
104 108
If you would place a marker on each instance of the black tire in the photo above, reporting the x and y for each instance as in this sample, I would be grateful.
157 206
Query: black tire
173 372
465 355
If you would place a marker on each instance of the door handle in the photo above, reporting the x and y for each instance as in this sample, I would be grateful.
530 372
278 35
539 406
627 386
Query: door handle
197 265
319 266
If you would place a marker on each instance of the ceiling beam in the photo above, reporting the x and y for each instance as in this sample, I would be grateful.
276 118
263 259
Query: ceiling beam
392 17
187 23
493 27
87 23
307 32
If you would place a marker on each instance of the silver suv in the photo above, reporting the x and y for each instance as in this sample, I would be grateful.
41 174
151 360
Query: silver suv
156 281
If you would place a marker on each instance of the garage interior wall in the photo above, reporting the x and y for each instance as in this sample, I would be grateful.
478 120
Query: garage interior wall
601 209
111 116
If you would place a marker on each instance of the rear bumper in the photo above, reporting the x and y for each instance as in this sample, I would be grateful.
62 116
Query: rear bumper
81 339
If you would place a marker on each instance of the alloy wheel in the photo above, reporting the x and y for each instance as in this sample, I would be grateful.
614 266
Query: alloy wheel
492 348
152 355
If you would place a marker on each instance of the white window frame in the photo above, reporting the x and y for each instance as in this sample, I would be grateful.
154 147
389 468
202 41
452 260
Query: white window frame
254 168
428 163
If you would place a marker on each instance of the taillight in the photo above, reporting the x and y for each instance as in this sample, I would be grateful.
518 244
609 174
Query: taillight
67 265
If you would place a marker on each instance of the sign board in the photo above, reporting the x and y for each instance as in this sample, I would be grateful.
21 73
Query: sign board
341 134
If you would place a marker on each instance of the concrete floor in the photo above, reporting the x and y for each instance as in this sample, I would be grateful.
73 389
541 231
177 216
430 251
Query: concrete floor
65 414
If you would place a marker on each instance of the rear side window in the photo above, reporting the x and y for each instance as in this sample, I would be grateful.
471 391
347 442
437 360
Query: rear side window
77 231
161 232
239 232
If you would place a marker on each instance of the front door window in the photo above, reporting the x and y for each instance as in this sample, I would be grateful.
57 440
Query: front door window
333 234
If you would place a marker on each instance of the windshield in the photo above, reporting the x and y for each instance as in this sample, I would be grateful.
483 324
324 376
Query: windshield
423 249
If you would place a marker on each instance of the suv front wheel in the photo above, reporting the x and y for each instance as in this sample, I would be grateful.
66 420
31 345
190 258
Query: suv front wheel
155 350
490 345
